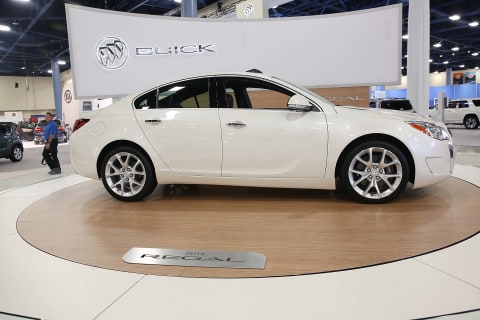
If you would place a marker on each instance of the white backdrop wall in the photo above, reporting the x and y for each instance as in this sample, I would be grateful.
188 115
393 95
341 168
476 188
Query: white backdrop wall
116 53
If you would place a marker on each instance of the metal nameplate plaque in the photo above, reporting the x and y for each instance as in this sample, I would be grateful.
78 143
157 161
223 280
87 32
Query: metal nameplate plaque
196 258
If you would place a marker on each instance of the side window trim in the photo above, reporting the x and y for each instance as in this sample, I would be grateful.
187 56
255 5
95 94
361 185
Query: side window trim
222 93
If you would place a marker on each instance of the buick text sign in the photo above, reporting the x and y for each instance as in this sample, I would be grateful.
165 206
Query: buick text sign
196 258
175 49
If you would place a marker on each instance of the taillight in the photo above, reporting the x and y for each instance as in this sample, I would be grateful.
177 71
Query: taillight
60 128
37 129
79 123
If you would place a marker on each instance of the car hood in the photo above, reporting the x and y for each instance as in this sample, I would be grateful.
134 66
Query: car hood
374 112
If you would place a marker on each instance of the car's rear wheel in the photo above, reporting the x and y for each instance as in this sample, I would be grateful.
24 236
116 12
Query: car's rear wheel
470 122
17 154
127 174
374 172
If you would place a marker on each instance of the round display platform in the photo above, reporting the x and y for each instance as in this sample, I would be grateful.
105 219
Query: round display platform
298 231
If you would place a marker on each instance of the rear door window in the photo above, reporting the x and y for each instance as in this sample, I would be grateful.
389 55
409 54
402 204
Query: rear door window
194 93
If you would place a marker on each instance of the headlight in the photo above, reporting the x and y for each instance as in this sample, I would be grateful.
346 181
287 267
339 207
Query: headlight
430 129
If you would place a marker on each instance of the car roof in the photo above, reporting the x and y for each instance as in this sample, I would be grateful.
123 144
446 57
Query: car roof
254 73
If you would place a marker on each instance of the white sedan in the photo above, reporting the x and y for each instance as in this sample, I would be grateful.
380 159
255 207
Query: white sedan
250 129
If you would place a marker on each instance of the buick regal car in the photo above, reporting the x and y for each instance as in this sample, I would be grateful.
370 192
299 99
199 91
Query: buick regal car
251 129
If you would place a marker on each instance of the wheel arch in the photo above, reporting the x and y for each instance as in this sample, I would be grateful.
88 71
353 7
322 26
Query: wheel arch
122 143
382 137
17 144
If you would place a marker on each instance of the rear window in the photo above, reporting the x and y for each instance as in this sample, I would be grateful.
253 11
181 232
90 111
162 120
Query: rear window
457 104
43 123
476 102
4 130
396 105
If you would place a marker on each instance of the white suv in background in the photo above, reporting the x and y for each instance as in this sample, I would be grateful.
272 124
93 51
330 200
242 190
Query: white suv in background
463 111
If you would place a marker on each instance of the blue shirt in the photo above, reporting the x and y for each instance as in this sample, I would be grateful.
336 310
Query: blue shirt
51 128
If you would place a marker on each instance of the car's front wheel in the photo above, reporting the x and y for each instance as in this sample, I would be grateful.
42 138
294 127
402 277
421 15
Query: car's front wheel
17 154
374 172
127 174
470 122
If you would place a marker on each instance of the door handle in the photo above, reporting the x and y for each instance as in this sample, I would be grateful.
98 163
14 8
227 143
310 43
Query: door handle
153 121
236 124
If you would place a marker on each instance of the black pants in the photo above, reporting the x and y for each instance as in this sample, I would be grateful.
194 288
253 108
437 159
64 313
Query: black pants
50 155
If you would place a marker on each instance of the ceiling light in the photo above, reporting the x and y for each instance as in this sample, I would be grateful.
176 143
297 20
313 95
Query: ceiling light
436 71
431 60
455 17
461 66
475 54
405 36
22 0
455 48
50 71
22 68
4 28
445 62
178 1
473 24
437 45
476 68
61 62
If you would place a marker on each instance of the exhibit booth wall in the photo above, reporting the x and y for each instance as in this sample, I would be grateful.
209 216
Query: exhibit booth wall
109 59
29 95
30 98
438 84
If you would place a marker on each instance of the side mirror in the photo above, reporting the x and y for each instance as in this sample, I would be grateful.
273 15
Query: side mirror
299 103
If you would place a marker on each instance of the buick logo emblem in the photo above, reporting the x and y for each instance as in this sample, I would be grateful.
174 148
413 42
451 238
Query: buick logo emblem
111 53
248 11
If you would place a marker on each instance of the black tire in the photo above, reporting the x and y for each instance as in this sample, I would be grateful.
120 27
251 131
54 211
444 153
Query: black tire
374 172
17 154
127 174
470 122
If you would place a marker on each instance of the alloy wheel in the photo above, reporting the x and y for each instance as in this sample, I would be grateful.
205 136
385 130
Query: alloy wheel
17 154
125 174
375 173
471 123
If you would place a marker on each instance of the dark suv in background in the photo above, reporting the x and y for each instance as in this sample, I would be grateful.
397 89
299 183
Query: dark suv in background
396 104
39 130
11 146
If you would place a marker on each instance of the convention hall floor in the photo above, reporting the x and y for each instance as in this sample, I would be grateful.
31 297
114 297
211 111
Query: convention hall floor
45 274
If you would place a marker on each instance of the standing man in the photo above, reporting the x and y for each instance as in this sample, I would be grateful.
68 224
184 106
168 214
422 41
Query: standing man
51 143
